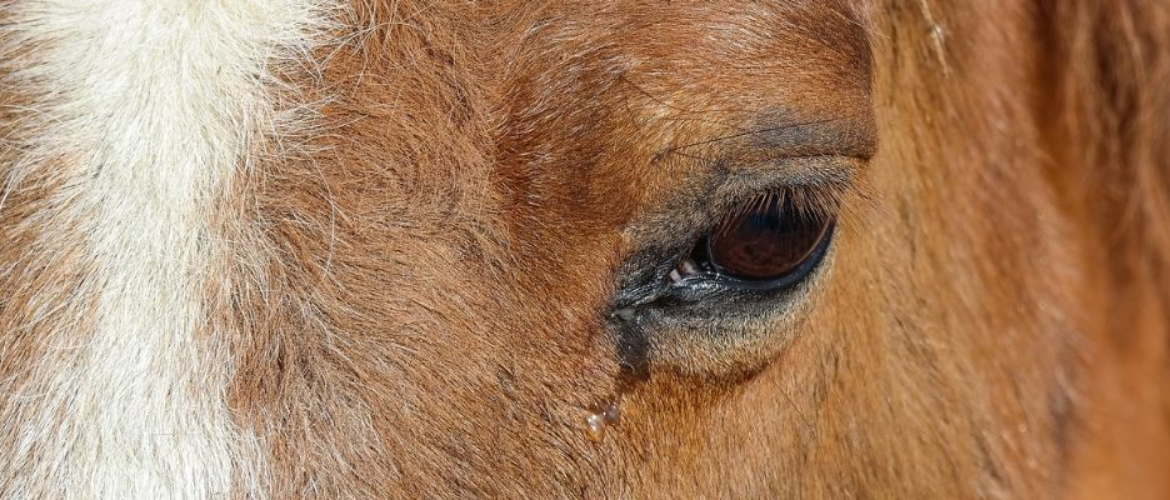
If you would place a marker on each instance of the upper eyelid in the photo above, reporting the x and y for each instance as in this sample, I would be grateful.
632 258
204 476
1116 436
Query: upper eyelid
761 133
781 140
832 173
802 170
832 137
695 210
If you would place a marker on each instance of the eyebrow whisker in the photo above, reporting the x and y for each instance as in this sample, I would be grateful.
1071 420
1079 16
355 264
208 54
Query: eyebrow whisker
662 154
681 109
675 149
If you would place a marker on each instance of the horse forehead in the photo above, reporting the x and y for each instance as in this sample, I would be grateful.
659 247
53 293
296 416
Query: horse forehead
599 93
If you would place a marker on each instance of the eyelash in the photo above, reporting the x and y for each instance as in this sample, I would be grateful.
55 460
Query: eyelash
820 201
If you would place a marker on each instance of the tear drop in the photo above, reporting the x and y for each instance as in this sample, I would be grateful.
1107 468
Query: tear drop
601 418
595 427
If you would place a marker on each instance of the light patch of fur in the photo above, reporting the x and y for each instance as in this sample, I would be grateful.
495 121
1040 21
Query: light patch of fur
150 108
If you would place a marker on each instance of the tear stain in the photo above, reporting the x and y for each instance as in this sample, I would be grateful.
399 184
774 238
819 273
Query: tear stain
633 351
600 418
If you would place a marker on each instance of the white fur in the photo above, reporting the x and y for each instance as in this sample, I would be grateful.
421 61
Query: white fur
155 106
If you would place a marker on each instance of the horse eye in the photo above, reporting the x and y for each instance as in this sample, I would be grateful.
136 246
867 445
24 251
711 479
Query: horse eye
770 243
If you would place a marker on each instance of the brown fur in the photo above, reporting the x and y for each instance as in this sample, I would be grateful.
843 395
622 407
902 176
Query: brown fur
423 283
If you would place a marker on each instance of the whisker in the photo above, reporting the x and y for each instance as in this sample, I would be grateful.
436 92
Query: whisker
657 158
703 120
680 108
675 149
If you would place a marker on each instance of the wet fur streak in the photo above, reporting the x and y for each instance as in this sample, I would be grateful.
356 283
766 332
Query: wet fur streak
303 250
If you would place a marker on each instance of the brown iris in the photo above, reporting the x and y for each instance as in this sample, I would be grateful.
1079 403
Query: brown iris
769 239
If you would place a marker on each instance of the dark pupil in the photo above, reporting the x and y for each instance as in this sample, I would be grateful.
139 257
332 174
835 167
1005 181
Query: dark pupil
766 242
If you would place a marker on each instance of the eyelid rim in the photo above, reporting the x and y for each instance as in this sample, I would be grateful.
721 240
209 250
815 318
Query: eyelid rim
809 263
824 239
